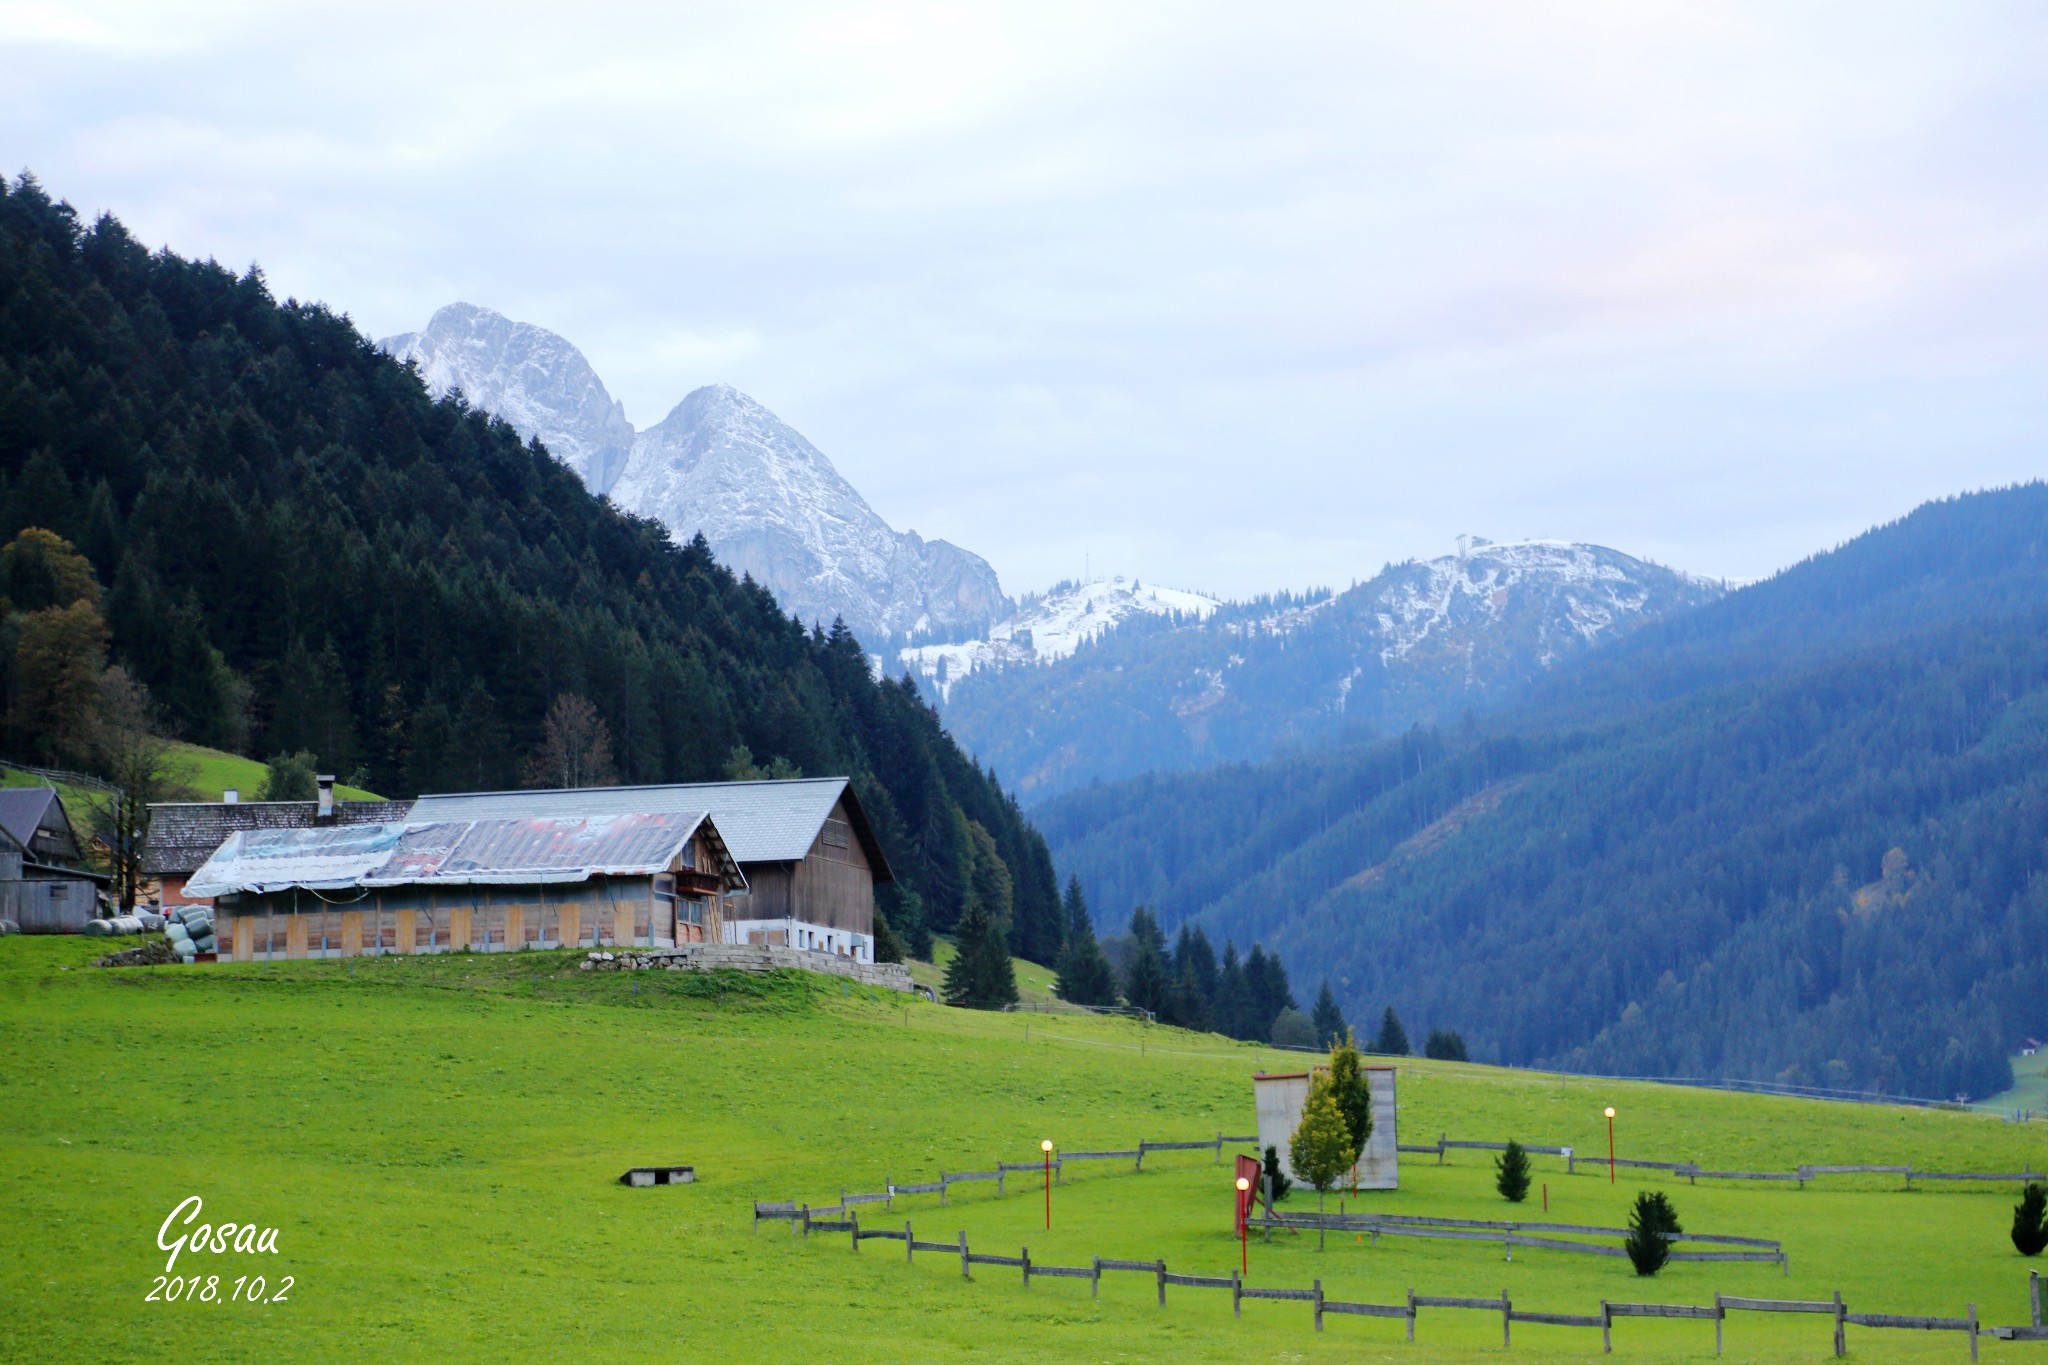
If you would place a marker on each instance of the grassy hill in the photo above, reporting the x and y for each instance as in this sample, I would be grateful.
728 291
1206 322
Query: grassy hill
437 1141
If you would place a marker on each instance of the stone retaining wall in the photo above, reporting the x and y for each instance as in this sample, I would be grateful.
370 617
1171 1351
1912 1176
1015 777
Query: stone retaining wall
750 957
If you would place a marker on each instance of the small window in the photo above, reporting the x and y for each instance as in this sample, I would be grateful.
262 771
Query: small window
836 834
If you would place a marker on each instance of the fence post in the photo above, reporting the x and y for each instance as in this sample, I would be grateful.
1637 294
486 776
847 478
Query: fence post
1236 1295
1141 1156
2034 1294
807 1220
1025 1256
942 1189
999 1180
1095 1280
1973 1333
1411 1313
963 1255
889 1204
1841 1333
1507 1320
1319 1305
1162 1284
1219 1146
909 1244
1720 1314
1441 1139
853 1224
1606 1329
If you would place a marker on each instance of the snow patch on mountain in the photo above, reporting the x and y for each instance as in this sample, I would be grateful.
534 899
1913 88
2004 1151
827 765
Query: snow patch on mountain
1052 627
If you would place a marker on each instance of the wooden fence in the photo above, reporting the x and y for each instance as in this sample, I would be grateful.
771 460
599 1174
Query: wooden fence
1694 1172
1512 1235
1724 1304
1004 1169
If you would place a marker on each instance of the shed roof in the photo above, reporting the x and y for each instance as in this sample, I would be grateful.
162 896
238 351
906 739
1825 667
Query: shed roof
763 822
184 834
506 852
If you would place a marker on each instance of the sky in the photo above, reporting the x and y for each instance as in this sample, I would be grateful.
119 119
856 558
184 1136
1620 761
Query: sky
1236 298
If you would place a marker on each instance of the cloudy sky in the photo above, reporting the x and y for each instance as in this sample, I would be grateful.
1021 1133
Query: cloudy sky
1239 297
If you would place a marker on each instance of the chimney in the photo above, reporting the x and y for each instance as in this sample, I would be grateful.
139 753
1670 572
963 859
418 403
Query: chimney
230 797
326 784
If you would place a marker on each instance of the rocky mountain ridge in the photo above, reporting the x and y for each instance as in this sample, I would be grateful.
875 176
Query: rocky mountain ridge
768 501
1165 688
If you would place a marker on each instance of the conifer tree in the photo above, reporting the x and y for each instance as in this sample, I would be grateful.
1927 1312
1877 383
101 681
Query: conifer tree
1229 1006
1511 1173
1652 1223
1393 1039
2030 1220
1352 1089
1145 983
1328 1019
981 975
1084 974
1443 1045
1277 1181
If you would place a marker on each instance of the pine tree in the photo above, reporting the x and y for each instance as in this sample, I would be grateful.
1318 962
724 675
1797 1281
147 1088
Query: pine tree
981 975
1393 1039
1277 1181
1511 1173
2030 1220
1652 1223
1145 983
1230 1008
1328 1019
1445 1046
1352 1090
888 948
1085 977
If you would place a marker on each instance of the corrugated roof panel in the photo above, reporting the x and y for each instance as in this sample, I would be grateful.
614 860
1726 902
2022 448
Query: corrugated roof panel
455 852
763 822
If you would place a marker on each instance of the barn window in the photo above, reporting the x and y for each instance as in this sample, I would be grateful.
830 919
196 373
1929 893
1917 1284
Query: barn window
836 833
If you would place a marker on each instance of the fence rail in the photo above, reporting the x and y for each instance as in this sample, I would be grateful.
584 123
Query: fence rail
1694 1172
1718 1312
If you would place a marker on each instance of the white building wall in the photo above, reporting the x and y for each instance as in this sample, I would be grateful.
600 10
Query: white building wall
796 933
1280 1099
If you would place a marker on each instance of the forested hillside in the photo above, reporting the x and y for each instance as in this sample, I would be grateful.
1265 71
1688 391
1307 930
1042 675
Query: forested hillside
300 550
1800 836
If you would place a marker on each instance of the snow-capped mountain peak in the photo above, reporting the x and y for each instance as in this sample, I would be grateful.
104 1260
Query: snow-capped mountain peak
1049 628
529 376
767 500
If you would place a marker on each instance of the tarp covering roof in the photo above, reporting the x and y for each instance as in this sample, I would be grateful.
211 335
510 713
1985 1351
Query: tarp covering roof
508 852
184 834
763 822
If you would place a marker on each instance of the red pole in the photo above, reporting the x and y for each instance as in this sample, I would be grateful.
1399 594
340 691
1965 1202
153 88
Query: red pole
1244 1262
1610 1147
1048 1189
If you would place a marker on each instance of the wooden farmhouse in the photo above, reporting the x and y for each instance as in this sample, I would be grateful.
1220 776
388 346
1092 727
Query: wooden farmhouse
495 884
184 834
810 858
43 888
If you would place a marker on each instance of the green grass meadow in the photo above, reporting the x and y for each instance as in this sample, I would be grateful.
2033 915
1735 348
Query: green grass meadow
437 1141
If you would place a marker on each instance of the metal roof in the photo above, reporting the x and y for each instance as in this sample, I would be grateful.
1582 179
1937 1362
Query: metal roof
763 822
509 852
184 834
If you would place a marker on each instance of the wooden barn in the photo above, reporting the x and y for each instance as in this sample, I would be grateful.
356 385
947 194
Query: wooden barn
810 858
488 885
43 887
184 834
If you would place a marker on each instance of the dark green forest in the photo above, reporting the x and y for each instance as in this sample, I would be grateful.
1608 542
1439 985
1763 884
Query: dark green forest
300 550
1799 835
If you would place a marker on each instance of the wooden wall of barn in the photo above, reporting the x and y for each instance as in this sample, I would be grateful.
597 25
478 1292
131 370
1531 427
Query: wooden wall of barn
619 911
